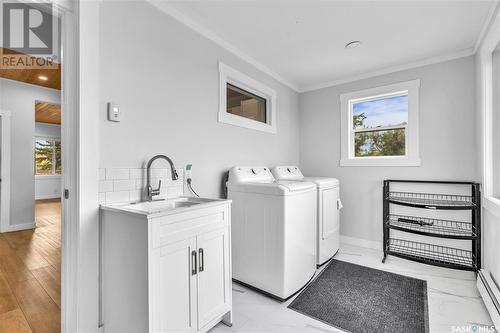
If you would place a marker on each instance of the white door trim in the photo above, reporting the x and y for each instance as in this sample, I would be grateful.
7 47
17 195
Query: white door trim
5 171
68 12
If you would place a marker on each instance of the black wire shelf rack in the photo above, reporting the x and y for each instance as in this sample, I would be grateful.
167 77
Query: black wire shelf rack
432 227
435 254
432 201
462 231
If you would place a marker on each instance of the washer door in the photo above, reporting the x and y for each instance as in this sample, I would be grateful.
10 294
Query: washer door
330 212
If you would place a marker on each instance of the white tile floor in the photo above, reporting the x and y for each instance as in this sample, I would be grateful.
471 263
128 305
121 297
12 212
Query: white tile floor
454 302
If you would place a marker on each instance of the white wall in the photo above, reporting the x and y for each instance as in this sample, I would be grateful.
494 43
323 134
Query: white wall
165 77
47 187
447 140
20 98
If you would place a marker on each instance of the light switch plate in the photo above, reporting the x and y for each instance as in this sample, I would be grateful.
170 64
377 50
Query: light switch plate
114 112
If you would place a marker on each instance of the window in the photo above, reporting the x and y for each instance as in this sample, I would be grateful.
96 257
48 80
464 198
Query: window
47 157
245 102
380 126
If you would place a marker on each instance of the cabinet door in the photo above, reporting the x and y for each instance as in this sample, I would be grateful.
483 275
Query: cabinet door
214 280
173 287
329 211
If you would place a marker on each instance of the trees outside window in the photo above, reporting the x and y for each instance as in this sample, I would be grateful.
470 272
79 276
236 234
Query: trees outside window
48 157
379 126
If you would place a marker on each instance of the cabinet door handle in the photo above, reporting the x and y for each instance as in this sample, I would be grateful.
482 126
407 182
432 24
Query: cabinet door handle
193 262
202 260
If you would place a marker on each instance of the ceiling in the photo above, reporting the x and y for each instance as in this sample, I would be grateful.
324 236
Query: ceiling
32 76
303 42
48 113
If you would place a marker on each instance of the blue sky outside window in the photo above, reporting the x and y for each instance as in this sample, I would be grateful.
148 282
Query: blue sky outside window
387 111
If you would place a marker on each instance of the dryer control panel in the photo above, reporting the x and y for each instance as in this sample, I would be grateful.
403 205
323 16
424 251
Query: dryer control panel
290 172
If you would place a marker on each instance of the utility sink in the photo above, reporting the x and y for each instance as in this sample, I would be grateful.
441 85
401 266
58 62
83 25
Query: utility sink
150 207
164 207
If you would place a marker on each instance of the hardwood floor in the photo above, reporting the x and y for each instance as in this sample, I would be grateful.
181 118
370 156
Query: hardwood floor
30 274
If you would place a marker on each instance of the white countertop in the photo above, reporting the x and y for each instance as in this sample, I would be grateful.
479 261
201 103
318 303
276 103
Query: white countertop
164 207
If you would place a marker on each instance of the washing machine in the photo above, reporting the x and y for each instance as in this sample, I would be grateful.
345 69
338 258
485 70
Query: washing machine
273 230
329 205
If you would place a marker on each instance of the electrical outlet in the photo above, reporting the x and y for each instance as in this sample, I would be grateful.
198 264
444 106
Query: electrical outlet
187 174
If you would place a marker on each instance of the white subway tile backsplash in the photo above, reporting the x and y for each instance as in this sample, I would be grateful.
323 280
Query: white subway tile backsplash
117 197
102 198
117 173
124 185
105 186
135 195
140 184
119 185
137 173
159 173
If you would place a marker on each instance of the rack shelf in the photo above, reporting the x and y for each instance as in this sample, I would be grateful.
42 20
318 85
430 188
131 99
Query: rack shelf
432 254
432 201
429 253
432 227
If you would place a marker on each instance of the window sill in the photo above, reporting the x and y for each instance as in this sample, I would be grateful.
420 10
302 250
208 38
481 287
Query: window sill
231 119
381 161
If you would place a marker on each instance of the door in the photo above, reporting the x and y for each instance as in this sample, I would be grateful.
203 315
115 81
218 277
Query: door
329 211
173 287
214 285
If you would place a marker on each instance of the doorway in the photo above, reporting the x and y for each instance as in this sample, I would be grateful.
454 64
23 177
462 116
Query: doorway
30 245
30 239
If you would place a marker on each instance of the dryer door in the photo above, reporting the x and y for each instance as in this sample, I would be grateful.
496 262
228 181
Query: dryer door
329 212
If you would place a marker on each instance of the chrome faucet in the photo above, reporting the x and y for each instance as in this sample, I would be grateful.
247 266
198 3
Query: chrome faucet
149 190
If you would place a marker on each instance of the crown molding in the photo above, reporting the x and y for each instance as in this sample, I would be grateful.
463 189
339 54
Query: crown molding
491 14
193 25
169 10
388 70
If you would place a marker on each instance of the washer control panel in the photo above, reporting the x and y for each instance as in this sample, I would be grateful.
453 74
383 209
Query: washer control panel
245 174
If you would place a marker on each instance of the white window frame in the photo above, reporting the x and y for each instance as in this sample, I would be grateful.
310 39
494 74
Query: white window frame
485 104
242 81
54 140
412 157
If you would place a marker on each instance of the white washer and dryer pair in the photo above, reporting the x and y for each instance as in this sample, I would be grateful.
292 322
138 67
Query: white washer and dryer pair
328 210
273 229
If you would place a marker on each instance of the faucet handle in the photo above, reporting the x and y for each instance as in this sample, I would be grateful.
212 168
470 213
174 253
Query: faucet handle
159 187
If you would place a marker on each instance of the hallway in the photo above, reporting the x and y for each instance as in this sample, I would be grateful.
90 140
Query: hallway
30 274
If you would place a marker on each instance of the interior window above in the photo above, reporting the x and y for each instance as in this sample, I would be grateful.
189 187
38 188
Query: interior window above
245 104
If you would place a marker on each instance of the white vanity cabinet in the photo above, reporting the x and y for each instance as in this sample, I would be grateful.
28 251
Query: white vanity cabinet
166 272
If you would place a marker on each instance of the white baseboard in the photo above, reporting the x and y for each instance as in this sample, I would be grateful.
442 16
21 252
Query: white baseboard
490 294
21 226
361 242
